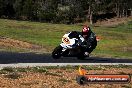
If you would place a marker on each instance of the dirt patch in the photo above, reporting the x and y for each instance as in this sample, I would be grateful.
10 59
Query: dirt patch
113 21
59 78
9 42
125 49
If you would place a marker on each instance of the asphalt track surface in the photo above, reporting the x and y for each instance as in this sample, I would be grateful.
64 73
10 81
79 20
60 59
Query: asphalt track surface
15 58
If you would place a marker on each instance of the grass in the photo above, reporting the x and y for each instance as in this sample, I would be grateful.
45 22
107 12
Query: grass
116 41
7 69
45 69
12 75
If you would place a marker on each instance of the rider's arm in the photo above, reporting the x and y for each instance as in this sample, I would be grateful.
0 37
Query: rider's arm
92 37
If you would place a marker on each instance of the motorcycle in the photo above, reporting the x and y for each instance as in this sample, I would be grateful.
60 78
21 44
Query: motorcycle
69 47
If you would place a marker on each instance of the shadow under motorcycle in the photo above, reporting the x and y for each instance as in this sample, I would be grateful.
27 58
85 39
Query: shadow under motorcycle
74 52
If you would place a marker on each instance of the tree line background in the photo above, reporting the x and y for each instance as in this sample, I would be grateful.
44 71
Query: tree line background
65 11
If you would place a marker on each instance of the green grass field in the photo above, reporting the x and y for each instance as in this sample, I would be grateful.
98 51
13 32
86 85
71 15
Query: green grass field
116 41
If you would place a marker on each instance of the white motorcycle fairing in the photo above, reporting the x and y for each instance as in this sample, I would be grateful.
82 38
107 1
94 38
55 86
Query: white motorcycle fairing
69 43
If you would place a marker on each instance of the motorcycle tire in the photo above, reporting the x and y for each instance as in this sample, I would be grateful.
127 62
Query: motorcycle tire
56 54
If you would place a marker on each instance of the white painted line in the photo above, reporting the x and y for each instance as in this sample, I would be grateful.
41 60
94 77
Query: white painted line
56 64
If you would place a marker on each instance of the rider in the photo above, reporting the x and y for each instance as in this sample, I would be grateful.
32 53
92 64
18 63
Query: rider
87 39
90 41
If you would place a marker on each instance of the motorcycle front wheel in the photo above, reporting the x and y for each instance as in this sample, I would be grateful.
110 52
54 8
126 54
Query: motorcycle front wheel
56 54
